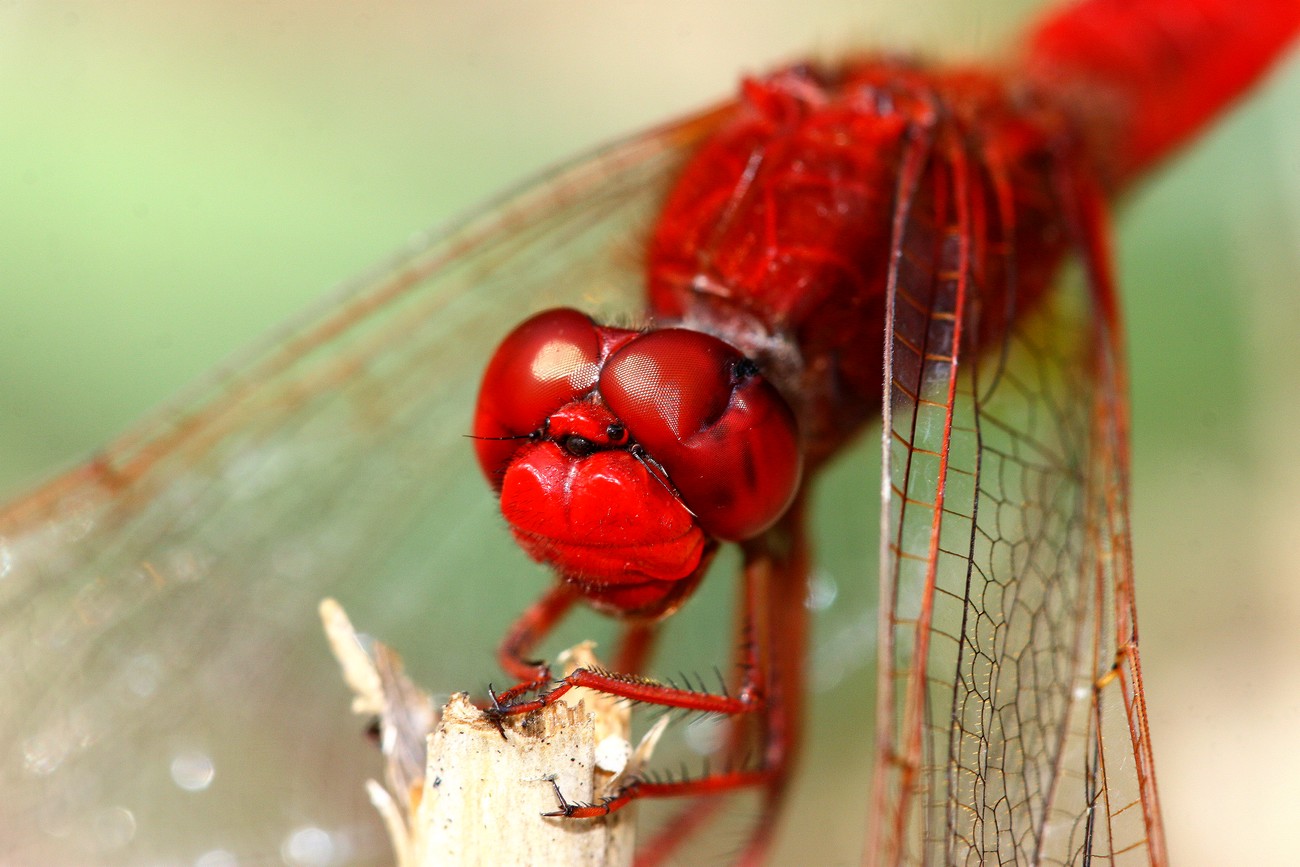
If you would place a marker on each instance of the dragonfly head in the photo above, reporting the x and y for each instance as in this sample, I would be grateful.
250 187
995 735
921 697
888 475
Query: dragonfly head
623 457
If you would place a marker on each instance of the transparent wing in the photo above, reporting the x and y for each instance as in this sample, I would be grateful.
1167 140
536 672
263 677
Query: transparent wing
1012 725
167 690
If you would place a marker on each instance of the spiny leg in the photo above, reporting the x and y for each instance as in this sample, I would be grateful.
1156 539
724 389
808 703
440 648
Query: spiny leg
772 631
636 646
530 628
748 698
777 570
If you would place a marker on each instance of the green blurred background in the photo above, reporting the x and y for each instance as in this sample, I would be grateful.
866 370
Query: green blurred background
177 178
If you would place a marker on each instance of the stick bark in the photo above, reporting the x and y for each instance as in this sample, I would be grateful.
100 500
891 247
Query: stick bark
459 794
484 794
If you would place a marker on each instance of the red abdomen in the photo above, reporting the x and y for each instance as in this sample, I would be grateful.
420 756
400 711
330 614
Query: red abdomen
1143 78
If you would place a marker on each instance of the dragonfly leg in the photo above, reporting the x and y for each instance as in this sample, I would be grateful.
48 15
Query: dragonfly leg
539 619
747 700
776 586
531 627
712 784
634 688
636 646
765 711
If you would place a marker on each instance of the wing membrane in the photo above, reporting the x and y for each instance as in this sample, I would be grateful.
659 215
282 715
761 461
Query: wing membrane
158 601
1011 717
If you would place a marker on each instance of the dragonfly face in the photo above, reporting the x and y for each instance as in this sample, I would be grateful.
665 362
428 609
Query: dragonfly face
621 457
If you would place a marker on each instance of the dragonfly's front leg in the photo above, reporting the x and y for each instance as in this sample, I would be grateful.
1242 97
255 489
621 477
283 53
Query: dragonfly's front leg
770 628
772 633
622 682
514 654
532 626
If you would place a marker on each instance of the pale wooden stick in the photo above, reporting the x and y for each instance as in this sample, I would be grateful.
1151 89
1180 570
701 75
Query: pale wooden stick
484 794
478 798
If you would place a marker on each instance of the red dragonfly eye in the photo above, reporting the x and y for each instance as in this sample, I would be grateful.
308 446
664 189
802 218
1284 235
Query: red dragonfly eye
725 436
545 363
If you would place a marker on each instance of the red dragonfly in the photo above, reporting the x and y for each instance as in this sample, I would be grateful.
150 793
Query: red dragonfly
163 517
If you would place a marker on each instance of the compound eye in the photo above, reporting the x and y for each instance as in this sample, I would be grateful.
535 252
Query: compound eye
724 435
545 363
